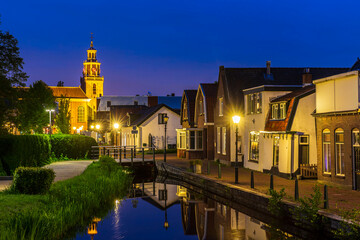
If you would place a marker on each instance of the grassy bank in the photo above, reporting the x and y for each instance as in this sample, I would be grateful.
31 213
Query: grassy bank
69 206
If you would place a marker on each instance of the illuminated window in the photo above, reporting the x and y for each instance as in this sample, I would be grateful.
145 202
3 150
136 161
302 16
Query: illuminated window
282 111
224 140
218 140
254 146
276 151
94 89
274 111
81 114
254 103
339 151
221 107
326 151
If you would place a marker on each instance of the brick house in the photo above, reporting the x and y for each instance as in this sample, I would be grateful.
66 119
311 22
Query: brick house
204 116
189 138
338 128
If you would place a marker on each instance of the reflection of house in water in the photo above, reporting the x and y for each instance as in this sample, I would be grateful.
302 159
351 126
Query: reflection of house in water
156 196
213 220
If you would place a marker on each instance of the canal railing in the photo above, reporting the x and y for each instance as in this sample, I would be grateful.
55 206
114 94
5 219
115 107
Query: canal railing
125 154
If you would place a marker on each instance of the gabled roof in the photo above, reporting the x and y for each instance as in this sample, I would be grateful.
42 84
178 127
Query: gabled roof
190 96
68 92
138 118
209 91
293 99
237 79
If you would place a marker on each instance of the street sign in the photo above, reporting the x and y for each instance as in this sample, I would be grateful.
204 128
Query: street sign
134 131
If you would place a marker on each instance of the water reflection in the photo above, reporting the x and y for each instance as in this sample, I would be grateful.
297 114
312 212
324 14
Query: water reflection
158 210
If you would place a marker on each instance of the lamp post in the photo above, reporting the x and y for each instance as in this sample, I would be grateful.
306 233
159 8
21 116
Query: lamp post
74 128
50 110
166 119
116 126
236 120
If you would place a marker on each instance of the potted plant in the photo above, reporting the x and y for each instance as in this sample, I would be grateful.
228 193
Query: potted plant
195 165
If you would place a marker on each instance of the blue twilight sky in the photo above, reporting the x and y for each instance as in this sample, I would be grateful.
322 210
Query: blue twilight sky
167 46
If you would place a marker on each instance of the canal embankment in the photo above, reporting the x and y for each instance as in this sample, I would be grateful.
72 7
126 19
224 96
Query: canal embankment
68 206
252 201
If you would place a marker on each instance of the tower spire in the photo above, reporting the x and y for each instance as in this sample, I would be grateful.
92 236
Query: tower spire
91 43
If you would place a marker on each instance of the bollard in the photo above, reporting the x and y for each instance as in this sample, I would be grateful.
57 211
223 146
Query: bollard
219 170
143 156
326 198
132 157
296 190
208 168
252 179
271 182
120 155
134 152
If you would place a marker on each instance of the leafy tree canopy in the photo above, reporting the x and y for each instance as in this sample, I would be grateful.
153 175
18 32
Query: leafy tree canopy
62 120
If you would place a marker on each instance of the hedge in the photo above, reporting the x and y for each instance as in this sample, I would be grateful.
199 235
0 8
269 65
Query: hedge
32 180
23 150
72 146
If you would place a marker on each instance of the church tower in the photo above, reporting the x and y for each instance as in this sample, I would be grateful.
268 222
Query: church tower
91 81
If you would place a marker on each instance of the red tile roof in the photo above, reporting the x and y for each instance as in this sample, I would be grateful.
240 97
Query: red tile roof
68 92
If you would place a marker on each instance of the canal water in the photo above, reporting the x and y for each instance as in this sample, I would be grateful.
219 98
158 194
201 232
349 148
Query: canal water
157 210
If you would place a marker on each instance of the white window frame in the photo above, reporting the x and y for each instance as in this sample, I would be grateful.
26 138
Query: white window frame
339 166
218 137
223 140
328 154
282 110
221 107
251 140
274 111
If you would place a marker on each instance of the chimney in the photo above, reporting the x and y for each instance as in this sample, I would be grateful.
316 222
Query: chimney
221 68
268 63
307 77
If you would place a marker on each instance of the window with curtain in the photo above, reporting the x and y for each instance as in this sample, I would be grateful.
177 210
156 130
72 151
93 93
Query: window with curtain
254 146
81 114
339 151
326 151
224 140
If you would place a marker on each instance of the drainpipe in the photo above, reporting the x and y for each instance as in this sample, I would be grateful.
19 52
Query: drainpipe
292 156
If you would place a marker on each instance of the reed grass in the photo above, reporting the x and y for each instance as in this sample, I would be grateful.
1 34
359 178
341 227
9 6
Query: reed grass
69 206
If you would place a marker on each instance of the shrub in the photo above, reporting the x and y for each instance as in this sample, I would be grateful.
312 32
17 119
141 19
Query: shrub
23 150
108 163
33 180
71 146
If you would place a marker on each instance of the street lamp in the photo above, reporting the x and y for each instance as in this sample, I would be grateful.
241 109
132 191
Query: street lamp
97 126
116 126
74 128
50 110
92 126
166 119
236 120
166 223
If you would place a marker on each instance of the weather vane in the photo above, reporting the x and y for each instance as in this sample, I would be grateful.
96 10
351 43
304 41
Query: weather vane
92 37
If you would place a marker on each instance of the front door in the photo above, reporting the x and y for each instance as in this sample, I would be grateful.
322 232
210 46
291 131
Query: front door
356 157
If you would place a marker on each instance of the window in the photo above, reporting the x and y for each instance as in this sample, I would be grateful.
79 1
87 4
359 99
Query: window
274 111
282 111
276 151
201 109
254 103
194 140
218 140
254 146
339 151
224 140
182 140
81 114
356 156
185 115
94 89
304 149
326 151
108 103
161 117
221 107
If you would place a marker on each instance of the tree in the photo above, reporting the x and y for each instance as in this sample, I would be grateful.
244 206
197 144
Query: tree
62 119
11 75
31 110
60 84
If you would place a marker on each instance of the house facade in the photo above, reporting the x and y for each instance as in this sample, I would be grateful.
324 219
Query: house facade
189 138
230 101
338 128
149 132
204 117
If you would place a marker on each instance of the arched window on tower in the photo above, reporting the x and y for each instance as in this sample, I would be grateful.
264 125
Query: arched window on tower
81 114
94 89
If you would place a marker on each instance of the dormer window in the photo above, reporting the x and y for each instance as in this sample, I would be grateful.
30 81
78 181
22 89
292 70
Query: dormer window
278 111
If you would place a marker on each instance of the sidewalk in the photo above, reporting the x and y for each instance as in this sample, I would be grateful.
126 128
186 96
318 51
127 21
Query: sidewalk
63 170
339 197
